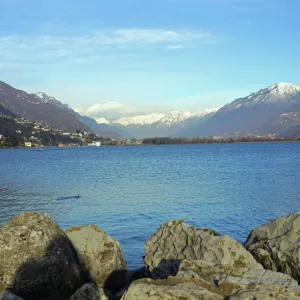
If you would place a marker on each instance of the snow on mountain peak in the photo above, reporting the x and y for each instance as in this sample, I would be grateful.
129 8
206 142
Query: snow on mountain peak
139 120
167 118
49 99
284 88
280 94
44 97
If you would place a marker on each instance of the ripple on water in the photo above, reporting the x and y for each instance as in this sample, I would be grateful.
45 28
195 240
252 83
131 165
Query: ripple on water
129 192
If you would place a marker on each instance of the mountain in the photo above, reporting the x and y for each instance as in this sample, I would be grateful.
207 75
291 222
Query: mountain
259 113
103 129
162 124
18 103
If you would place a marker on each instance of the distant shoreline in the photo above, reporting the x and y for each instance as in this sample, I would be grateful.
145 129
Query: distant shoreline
153 144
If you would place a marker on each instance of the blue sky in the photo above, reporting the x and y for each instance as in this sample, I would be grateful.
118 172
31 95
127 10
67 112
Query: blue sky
126 57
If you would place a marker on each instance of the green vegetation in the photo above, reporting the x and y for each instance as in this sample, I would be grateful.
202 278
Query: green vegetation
214 140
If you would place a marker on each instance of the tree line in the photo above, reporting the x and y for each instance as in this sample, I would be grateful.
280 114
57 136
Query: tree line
213 140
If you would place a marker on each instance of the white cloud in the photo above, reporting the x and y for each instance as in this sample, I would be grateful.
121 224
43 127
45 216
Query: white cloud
102 120
104 112
115 110
40 46
102 107
175 47
80 48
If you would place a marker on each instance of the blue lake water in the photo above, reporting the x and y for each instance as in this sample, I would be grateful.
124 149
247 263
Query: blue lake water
130 191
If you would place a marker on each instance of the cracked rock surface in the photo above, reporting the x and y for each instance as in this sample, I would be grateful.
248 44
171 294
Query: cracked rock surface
276 245
100 253
176 240
206 281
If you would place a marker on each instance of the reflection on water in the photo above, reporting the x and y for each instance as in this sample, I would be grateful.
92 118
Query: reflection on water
130 191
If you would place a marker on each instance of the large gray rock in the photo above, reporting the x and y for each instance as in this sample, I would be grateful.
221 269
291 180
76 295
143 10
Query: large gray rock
100 253
235 276
38 261
176 240
276 245
206 281
89 292
170 289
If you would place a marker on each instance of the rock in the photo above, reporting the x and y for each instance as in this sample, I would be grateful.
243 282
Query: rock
276 245
89 292
100 253
38 261
203 280
170 289
7 295
118 281
227 275
263 294
176 240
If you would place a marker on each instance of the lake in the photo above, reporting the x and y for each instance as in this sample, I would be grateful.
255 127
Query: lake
130 191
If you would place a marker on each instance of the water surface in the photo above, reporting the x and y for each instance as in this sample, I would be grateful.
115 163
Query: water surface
130 191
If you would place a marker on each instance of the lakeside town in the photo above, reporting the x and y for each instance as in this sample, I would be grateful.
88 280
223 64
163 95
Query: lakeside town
22 133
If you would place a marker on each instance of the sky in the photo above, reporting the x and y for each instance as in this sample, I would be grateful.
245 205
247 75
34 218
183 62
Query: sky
126 57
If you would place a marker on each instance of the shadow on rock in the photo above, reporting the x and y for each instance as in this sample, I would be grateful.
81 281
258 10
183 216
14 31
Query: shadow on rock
55 276
166 268
119 280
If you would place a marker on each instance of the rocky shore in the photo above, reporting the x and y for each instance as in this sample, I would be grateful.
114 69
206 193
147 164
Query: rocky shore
40 261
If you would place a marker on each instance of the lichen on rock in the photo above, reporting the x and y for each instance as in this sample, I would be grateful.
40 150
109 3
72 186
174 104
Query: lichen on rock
37 259
276 245
100 253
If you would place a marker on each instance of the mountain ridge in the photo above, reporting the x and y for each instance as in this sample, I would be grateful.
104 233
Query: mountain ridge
29 106
274 110
102 129
248 115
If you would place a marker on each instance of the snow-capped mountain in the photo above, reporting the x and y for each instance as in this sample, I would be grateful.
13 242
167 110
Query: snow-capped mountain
162 124
167 119
49 99
251 114
281 94
18 103
272 110
101 128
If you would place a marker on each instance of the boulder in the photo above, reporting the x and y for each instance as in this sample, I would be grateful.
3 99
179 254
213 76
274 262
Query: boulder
176 240
170 289
276 245
89 292
38 261
203 280
230 276
100 253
